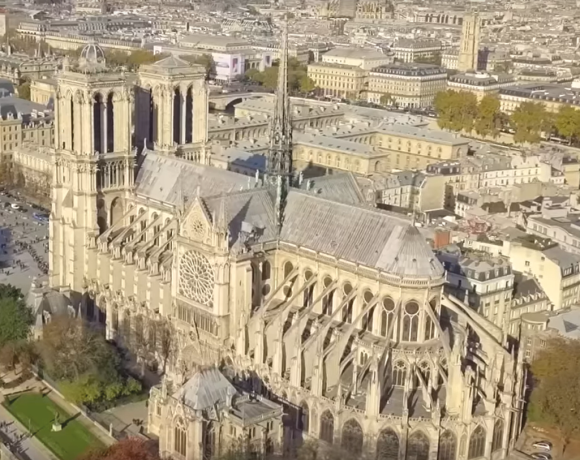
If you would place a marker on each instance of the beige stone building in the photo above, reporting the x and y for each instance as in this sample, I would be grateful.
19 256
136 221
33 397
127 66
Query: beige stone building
409 50
43 90
481 84
406 85
329 307
552 95
339 80
365 58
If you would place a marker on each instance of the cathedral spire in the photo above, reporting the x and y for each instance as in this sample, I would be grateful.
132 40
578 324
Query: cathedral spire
279 159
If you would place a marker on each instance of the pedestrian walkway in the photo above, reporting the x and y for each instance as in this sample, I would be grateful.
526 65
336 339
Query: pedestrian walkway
17 436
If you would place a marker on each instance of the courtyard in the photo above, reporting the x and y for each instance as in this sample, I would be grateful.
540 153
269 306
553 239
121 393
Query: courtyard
37 413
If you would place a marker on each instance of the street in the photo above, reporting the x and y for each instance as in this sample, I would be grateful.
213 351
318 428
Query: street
23 244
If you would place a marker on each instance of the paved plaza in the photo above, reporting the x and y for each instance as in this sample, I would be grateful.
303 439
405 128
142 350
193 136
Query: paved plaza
23 245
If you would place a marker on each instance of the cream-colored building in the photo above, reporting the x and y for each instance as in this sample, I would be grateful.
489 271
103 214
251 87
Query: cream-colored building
339 80
556 270
480 83
406 85
552 96
365 58
411 50
42 91
332 308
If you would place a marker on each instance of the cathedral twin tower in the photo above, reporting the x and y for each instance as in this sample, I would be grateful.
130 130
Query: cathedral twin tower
102 115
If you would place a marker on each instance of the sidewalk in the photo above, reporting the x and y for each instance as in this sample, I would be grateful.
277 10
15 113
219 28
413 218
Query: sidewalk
32 447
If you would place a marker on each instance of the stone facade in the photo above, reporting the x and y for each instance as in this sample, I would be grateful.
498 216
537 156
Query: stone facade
333 309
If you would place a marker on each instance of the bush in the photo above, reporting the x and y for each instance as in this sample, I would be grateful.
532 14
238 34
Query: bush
132 386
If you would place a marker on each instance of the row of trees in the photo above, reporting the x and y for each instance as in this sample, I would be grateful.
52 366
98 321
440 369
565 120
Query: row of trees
298 80
460 111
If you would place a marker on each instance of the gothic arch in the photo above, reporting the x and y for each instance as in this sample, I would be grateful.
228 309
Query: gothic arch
477 443
352 437
418 446
327 427
497 442
304 417
387 315
410 324
116 211
388 445
447 446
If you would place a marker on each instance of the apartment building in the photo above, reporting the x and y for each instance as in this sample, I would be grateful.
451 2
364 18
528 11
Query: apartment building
556 270
552 95
338 80
480 83
483 282
412 50
406 85
365 58
557 224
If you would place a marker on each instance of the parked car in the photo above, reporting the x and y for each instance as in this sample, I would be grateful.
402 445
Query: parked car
544 445
541 456
15 206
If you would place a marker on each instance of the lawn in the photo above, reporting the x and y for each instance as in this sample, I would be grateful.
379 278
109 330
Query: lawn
36 411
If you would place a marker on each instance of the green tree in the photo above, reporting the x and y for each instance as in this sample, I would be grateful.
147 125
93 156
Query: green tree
253 75
15 320
528 122
488 120
456 110
205 60
69 349
306 84
435 59
567 122
555 398
24 90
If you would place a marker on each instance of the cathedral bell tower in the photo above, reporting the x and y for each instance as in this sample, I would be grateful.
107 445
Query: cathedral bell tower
93 165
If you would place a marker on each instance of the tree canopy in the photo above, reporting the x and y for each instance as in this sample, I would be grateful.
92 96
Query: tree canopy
298 80
555 398
88 367
126 449
457 110
205 60
567 123
529 120
489 120
15 317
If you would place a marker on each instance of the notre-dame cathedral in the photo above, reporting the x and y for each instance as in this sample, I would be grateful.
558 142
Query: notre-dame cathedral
325 316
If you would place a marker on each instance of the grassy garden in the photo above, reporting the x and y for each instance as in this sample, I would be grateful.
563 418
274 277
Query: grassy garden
37 412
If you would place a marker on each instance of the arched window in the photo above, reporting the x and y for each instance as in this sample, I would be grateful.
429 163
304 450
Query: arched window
367 320
447 446
429 325
352 437
425 371
180 439
477 443
266 269
303 420
347 309
388 445
308 292
327 427
288 267
387 315
418 446
410 322
399 373
328 298
497 442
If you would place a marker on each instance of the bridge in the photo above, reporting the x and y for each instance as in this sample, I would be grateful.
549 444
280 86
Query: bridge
225 101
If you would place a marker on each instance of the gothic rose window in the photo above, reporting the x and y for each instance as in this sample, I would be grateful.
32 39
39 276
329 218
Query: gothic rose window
196 278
